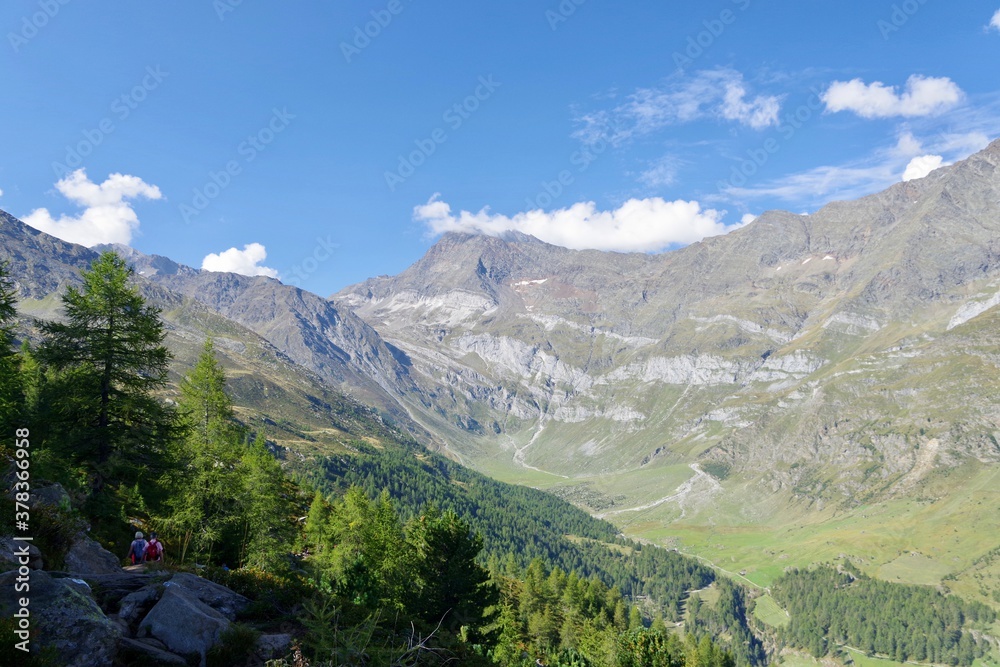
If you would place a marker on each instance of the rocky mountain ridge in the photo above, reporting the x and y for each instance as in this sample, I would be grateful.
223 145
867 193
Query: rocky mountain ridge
599 362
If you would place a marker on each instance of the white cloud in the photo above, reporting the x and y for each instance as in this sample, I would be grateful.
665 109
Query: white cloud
758 113
719 93
922 96
661 173
910 157
817 186
920 166
245 262
908 145
1 193
638 225
995 21
107 216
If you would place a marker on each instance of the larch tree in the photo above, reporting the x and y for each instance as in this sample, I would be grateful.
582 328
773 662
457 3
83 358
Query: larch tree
11 389
109 358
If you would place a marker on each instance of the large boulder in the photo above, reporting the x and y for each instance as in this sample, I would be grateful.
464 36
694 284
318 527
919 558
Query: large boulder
137 651
64 617
10 554
88 557
216 596
186 625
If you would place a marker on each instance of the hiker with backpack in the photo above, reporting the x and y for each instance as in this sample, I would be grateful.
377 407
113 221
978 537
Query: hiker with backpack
154 549
137 549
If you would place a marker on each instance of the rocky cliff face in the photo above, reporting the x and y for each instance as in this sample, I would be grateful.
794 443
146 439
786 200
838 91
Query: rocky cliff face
821 353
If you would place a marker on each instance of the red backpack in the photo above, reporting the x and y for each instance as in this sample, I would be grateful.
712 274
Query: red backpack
153 548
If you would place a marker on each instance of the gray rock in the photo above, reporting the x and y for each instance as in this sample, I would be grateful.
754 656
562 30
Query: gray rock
214 595
135 605
88 557
272 647
64 618
54 496
143 652
10 550
184 624
110 589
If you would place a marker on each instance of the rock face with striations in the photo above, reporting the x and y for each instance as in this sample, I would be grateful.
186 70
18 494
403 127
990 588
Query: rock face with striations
798 348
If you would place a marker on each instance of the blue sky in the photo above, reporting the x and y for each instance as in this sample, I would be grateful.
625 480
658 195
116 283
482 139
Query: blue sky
340 138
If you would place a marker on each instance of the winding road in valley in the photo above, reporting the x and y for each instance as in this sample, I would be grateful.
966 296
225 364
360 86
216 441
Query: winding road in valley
682 493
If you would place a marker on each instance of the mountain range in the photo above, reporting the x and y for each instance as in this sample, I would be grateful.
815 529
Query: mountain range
803 388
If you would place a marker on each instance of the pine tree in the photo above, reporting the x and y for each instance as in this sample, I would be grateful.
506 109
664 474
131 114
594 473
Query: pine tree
207 478
11 388
109 357
453 588
264 510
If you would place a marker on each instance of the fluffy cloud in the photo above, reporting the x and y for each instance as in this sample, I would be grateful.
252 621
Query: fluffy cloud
922 165
638 225
246 262
107 216
719 93
995 21
922 96
758 113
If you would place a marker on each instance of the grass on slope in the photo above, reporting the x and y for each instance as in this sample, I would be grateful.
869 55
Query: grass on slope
767 611
954 518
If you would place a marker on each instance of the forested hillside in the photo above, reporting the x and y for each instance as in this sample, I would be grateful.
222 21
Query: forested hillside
326 555
832 607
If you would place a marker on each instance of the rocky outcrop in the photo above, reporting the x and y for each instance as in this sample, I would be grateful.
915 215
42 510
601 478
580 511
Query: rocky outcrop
11 554
53 495
186 625
65 617
158 618
219 598
88 557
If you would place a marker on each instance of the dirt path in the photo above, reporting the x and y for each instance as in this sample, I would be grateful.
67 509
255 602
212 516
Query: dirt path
519 453
680 495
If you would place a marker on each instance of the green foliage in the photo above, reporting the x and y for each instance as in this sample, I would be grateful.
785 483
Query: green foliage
452 589
516 520
107 358
231 501
235 645
829 607
11 383
728 618
646 648
48 656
